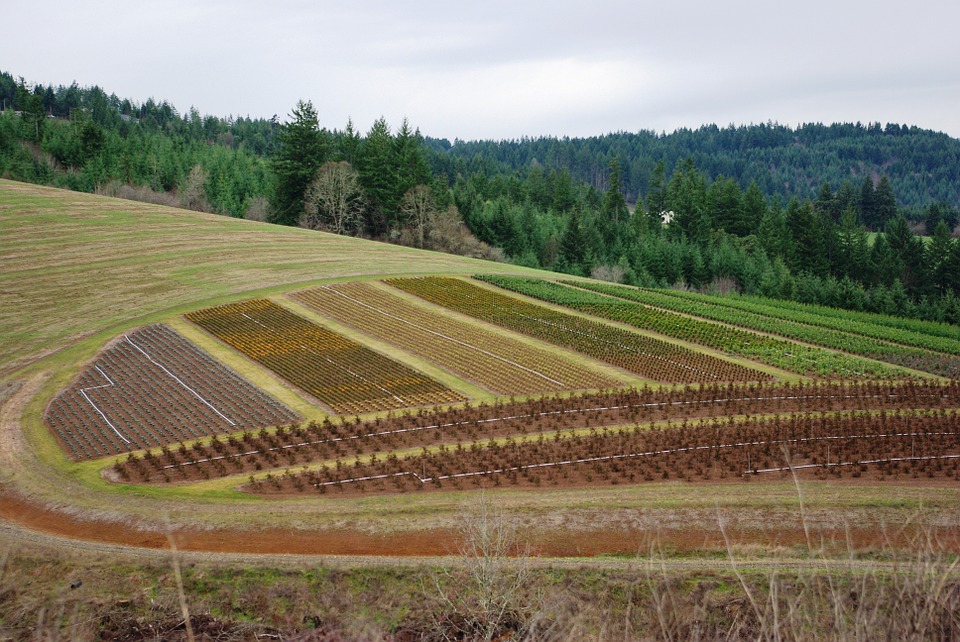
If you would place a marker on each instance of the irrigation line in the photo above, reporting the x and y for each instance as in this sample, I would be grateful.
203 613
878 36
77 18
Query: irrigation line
360 377
852 463
515 417
651 453
110 384
244 314
443 336
177 379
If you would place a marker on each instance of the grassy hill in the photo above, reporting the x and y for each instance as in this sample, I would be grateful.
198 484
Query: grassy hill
74 264
78 270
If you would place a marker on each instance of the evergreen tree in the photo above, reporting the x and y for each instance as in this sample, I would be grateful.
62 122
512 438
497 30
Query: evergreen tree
724 202
807 233
825 204
938 257
686 198
885 265
572 243
377 166
301 151
853 248
867 205
910 251
753 210
349 144
773 234
884 201
412 166
614 205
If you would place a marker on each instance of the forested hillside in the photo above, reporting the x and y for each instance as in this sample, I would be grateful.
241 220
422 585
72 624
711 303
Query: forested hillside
922 166
761 209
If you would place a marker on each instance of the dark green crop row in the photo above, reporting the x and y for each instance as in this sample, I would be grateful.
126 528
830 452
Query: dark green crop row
829 337
919 326
780 353
842 320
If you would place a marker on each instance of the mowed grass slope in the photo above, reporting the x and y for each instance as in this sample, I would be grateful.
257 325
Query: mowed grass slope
76 264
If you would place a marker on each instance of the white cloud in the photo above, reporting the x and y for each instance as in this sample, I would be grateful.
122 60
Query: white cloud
503 68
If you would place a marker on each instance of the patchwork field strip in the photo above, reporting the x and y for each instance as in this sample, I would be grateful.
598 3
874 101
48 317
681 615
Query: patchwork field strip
775 351
648 357
500 364
936 355
547 415
891 446
346 376
152 388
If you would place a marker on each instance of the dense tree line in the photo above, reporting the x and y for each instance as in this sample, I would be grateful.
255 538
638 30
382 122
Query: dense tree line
824 214
702 233
84 139
922 166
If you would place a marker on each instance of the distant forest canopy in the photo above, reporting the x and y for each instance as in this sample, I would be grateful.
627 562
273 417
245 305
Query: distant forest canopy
922 166
761 209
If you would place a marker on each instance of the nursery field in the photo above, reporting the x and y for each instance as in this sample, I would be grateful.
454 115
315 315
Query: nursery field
150 388
689 433
927 352
795 356
341 373
501 364
649 357
138 342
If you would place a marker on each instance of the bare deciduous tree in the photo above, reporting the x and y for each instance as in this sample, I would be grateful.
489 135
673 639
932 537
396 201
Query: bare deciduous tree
193 195
489 595
334 200
418 209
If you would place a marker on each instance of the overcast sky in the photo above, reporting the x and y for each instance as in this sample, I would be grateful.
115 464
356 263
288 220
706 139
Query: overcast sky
505 69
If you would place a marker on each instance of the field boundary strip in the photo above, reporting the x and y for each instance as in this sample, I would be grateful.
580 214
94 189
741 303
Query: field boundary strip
489 420
443 336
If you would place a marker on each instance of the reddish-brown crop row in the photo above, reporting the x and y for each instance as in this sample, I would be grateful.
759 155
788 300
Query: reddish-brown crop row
153 387
903 445
341 373
651 358
500 364
301 444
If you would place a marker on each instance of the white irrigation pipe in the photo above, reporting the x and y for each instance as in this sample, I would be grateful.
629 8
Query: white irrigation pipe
512 417
177 379
244 314
110 384
851 463
587 460
443 336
